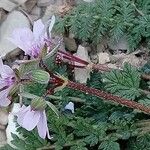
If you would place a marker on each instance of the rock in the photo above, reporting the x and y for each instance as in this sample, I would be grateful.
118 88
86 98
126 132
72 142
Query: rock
103 58
81 75
7 5
94 58
35 13
112 66
3 15
20 1
3 138
134 61
3 117
14 20
29 5
14 55
70 44
101 47
71 35
60 7
122 44
50 11
44 3
89 1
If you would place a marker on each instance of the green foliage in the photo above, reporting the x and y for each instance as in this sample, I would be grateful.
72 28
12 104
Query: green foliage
27 141
112 18
95 123
124 82
109 145
140 143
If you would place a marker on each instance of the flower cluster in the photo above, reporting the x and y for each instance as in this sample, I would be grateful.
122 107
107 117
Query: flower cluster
32 43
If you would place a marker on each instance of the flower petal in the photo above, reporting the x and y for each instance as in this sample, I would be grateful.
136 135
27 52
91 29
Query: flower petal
4 101
42 126
2 83
21 113
23 38
31 119
38 29
5 70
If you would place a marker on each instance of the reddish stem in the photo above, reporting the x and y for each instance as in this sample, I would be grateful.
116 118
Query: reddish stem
108 97
99 93
74 58
101 67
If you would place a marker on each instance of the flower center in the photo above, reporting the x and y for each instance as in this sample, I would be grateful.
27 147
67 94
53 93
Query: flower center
35 49
10 80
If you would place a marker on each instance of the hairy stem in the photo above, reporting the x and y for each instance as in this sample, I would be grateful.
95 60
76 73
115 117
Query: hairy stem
102 94
109 97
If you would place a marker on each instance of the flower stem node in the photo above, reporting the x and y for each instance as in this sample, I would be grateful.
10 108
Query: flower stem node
38 104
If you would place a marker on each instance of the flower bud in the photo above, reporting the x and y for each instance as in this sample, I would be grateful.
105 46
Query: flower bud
40 76
38 104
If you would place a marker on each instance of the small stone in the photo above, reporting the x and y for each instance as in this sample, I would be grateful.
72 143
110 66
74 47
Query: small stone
94 58
44 3
82 75
14 20
89 1
13 56
71 35
20 1
103 58
70 44
122 44
2 127
35 13
134 61
49 12
3 138
101 47
3 117
112 66
7 5
3 15
29 5
14 53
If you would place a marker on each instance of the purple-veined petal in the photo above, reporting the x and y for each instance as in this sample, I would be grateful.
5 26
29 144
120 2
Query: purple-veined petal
31 119
23 38
21 110
21 113
4 101
42 126
5 71
38 29
2 83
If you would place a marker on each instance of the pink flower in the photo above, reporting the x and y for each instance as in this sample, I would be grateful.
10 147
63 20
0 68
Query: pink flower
29 119
7 81
31 42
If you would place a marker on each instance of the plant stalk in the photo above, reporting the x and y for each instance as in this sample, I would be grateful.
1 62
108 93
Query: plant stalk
108 97
101 94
